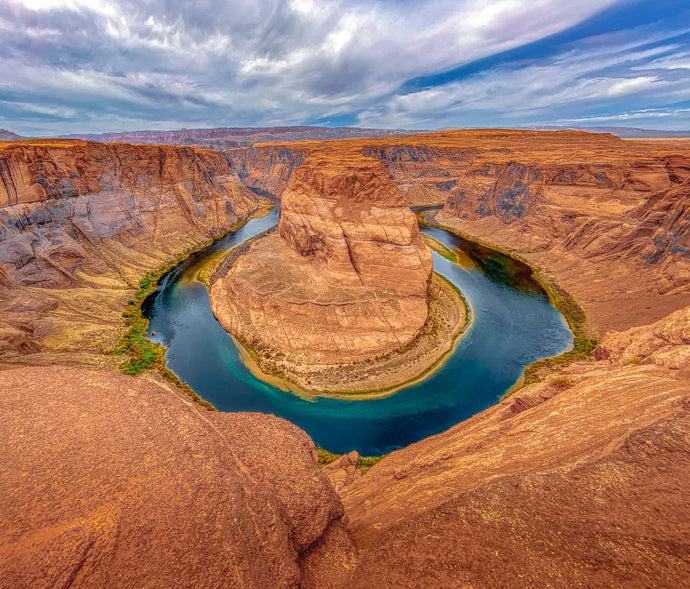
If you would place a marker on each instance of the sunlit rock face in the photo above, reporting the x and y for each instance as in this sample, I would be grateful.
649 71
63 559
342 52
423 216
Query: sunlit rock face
114 481
346 275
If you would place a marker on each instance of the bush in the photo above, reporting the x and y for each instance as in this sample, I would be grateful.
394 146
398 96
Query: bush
561 381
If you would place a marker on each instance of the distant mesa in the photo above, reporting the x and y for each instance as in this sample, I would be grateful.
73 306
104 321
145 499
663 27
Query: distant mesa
624 132
6 135
231 137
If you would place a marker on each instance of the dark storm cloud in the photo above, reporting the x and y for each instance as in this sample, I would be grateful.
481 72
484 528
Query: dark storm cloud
78 65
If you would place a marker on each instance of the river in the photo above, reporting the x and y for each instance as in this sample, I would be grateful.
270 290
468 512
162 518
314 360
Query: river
514 325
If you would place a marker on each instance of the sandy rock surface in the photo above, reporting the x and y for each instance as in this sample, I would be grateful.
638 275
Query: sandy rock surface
112 481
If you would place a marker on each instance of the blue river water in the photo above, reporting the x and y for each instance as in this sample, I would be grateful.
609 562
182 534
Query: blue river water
513 326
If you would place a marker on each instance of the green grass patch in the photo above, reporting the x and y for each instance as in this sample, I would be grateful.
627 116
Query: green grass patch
326 457
439 248
141 352
366 462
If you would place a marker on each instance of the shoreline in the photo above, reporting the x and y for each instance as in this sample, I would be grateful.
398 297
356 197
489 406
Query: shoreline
562 300
143 356
285 382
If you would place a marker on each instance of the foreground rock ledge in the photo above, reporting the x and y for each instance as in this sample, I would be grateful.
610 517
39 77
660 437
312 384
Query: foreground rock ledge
346 279
113 481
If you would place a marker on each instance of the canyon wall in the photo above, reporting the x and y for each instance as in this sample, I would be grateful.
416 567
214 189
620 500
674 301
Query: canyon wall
269 168
345 277
578 481
579 206
583 206
81 223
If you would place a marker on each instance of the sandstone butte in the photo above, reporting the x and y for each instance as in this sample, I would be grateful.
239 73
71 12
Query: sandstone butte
354 270
576 481
345 279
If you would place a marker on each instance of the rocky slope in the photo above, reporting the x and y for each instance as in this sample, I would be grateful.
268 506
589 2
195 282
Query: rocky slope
607 218
81 223
344 279
576 482
112 481
6 135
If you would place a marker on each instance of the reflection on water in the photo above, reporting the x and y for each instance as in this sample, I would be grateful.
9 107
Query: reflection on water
514 325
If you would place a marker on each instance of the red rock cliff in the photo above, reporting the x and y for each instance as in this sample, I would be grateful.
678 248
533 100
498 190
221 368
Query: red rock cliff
345 277
81 223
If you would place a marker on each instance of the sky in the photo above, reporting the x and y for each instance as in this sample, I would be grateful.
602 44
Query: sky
70 66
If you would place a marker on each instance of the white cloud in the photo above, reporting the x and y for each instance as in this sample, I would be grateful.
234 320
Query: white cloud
261 62
579 78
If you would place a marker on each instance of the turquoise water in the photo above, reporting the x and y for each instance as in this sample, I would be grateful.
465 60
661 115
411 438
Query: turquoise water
514 325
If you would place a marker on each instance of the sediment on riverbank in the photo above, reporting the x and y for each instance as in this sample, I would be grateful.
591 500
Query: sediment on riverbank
567 305
448 319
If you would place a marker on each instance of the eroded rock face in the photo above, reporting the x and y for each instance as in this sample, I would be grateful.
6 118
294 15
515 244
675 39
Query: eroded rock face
576 481
59 199
346 276
81 224
585 206
113 481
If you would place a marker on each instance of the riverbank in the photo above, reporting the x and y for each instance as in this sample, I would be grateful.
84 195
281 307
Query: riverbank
450 316
139 352
567 305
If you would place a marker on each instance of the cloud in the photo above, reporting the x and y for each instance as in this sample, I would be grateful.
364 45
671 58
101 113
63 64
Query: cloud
615 76
122 64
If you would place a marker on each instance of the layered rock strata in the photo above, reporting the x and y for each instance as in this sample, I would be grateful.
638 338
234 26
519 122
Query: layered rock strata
81 224
345 278
606 217
578 481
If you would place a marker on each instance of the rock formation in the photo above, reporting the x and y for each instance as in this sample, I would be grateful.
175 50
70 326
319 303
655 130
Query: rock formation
81 223
6 135
346 276
577 481
112 481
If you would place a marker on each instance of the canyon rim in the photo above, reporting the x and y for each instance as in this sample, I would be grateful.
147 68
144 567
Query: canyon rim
333 295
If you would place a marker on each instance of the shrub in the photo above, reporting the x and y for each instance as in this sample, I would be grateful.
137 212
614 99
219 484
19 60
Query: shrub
561 381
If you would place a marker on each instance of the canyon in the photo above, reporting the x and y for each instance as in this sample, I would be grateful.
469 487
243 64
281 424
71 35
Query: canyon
354 287
575 480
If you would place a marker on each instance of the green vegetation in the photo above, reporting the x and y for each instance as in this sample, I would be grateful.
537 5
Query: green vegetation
439 248
326 457
143 354
366 462
561 381
576 318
